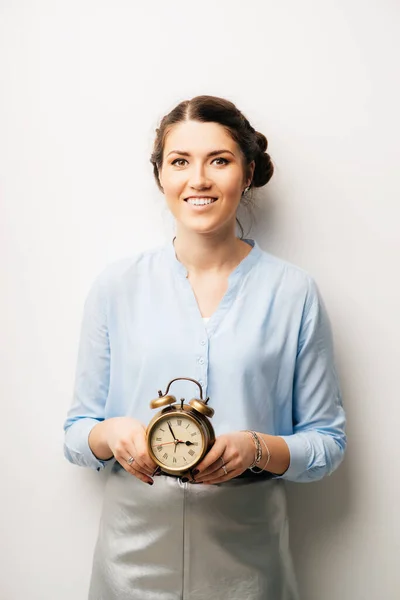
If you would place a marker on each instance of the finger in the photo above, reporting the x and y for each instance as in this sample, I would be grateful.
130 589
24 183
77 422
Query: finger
132 466
137 469
139 474
142 455
212 456
125 449
219 475
215 467
140 466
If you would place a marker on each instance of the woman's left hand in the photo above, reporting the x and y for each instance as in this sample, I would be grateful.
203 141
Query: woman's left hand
232 452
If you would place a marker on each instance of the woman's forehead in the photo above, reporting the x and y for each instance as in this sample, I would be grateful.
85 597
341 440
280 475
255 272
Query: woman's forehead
198 136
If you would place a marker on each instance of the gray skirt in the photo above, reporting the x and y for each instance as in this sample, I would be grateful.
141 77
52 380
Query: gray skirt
183 541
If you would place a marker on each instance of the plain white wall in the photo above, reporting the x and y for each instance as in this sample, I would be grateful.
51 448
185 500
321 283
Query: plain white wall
83 85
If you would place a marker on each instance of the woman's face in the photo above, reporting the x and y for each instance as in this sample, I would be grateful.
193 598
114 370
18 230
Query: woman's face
203 176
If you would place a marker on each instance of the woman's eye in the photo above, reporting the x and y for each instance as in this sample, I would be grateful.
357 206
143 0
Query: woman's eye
224 160
180 162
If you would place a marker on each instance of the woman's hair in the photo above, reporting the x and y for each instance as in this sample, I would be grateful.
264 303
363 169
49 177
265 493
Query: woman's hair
252 143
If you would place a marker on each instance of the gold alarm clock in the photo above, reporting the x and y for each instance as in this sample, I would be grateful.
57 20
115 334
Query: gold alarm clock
179 436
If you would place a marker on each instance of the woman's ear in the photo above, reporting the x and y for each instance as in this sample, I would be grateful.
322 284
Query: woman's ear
160 179
250 172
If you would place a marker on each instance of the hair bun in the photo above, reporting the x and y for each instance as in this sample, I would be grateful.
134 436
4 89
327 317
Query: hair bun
264 168
262 141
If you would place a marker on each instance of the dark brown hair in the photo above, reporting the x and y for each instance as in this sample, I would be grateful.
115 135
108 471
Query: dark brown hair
252 143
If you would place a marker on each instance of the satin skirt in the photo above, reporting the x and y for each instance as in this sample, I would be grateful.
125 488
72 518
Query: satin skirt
183 541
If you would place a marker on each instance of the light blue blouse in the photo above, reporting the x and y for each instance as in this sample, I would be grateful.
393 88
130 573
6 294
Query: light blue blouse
265 357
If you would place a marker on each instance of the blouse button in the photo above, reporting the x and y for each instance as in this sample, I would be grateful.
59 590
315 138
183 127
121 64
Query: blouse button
203 342
201 361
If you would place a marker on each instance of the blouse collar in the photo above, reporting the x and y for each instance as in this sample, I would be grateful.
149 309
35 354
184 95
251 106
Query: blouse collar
242 268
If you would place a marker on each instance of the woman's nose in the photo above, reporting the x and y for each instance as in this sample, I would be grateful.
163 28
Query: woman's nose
198 177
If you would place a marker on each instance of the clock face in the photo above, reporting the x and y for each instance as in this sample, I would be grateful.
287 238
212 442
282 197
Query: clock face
176 441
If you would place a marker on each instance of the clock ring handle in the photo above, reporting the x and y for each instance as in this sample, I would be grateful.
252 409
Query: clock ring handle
186 379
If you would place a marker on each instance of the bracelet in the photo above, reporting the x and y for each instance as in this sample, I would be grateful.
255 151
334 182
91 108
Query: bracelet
257 445
269 456
258 455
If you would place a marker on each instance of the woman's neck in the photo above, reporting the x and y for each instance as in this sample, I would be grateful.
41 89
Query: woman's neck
212 254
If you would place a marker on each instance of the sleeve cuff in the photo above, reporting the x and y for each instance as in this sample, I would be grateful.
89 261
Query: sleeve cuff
76 445
300 456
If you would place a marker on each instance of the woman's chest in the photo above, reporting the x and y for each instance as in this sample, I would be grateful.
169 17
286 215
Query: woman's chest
208 292
166 328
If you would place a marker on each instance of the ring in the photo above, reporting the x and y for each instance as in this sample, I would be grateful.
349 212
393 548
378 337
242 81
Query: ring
223 467
130 460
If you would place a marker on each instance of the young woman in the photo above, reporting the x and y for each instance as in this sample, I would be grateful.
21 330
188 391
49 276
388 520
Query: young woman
253 330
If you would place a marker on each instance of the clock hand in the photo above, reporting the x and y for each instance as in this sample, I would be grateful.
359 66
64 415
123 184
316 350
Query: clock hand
170 428
189 443
166 443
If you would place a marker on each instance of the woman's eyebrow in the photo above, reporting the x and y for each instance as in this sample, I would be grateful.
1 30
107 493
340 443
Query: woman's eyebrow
213 153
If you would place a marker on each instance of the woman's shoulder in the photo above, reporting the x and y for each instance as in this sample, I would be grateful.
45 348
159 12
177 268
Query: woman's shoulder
126 268
284 271
293 285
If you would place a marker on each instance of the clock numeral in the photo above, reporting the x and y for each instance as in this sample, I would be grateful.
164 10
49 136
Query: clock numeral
165 455
191 452
195 443
158 439
163 430
174 460
187 426
184 459
159 448
192 434
179 422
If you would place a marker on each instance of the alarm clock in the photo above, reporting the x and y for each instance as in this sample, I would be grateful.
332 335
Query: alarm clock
180 435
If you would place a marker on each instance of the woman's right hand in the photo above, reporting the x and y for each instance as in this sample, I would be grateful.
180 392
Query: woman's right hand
125 437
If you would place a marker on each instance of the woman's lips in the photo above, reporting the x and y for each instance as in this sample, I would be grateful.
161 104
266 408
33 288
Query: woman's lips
199 202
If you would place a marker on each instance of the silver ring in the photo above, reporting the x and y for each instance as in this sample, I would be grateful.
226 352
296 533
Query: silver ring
223 467
130 460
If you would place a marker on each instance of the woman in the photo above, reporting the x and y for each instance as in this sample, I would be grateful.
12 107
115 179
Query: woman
253 330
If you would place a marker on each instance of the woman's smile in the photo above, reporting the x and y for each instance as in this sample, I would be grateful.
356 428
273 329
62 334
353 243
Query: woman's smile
200 202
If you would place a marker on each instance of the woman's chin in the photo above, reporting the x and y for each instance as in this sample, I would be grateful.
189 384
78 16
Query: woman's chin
210 227
203 224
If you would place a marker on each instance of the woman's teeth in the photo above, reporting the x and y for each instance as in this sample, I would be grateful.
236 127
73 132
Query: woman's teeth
200 201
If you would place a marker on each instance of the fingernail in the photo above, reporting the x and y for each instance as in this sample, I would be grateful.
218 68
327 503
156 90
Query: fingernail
196 471
150 482
185 479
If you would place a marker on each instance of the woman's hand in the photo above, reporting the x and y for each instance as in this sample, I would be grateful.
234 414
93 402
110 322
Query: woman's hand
234 451
126 439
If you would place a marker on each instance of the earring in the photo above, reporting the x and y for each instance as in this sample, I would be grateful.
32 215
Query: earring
246 189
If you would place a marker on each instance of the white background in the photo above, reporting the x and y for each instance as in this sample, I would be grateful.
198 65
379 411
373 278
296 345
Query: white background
83 86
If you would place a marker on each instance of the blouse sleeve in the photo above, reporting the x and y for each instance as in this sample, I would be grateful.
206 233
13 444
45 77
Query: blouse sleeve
318 443
91 379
